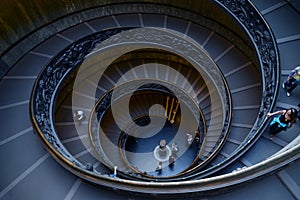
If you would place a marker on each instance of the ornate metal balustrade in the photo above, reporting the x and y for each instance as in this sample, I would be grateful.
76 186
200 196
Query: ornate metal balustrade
263 41
165 88
47 86
49 82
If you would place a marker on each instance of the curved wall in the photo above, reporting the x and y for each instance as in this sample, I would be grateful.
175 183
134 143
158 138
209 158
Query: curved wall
38 20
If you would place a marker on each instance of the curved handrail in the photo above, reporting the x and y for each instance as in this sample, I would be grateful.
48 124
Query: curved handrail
100 108
244 13
204 187
54 75
269 63
46 88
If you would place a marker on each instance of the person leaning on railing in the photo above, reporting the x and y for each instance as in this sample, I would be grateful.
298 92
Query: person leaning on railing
283 121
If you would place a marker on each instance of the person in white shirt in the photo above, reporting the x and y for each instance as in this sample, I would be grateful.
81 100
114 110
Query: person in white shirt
292 81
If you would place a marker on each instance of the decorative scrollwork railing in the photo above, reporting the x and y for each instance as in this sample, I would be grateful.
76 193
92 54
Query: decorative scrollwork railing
103 105
49 80
46 88
264 43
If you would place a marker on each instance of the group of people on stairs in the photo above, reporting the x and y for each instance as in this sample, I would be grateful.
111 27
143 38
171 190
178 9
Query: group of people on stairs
284 119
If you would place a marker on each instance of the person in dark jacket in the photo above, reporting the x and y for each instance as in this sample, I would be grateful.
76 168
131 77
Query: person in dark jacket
283 121
292 81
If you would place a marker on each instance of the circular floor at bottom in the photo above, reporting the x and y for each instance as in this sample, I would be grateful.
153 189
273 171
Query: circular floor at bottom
142 153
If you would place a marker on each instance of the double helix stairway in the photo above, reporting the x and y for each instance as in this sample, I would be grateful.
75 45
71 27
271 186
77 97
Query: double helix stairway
28 167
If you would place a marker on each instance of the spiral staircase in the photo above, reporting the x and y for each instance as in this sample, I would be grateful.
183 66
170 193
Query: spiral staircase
94 86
